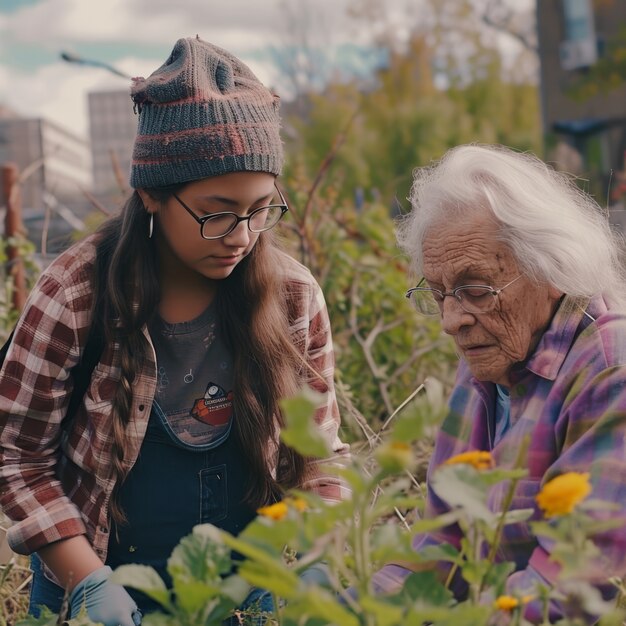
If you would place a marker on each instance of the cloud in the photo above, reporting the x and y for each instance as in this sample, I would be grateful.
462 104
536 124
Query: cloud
54 92
131 32
136 36
139 21
56 24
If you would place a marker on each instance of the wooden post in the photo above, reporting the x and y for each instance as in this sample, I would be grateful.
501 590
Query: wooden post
14 227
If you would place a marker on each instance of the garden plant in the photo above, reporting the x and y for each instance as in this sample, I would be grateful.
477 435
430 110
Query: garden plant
356 537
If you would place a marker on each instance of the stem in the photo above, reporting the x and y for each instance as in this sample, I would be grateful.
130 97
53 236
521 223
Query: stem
362 554
508 499
277 609
451 573
493 548
476 588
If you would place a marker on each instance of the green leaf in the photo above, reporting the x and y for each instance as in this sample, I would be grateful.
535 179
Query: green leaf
46 618
588 596
271 535
498 475
547 530
461 486
425 589
425 524
264 570
407 428
593 504
145 579
235 588
516 516
160 619
440 552
193 596
319 604
466 614
474 571
277 578
201 556
300 432
384 613
497 575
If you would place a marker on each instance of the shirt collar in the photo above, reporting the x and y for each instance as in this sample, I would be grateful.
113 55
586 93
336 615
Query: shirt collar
571 317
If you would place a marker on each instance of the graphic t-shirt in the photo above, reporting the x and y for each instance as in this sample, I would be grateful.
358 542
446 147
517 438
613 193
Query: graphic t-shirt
194 380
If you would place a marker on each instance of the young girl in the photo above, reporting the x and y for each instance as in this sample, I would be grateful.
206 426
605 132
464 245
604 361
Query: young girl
206 326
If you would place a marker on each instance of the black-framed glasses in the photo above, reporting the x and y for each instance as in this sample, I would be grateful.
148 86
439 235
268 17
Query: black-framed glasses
474 299
218 225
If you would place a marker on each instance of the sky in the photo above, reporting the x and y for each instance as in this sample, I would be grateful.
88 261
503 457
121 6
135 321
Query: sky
136 36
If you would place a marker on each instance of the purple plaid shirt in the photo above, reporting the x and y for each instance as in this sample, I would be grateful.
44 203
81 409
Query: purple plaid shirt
569 397
56 483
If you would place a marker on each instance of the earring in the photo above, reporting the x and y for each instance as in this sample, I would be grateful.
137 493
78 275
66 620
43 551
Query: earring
150 225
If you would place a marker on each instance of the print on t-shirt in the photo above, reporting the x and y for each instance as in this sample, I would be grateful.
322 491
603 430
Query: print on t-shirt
215 408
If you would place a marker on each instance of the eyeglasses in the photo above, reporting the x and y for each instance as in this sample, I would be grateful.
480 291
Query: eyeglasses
218 225
474 299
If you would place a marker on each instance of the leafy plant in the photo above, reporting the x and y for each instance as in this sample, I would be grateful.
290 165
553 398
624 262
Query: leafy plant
24 251
353 539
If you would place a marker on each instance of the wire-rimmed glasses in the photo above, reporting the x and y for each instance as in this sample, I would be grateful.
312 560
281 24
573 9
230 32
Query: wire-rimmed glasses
474 299
218 225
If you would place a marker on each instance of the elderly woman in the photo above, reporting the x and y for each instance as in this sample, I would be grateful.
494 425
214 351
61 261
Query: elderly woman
524 272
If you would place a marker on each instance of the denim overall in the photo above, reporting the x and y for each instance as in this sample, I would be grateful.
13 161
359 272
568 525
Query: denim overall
171 488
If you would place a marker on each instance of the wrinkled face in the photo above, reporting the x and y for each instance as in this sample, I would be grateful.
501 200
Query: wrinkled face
180 245
461 252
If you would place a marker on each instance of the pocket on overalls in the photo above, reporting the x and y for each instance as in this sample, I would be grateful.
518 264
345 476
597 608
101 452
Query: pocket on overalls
213 494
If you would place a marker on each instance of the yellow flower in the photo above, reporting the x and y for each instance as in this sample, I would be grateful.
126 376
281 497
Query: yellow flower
276 511
479 459
560 495
506 603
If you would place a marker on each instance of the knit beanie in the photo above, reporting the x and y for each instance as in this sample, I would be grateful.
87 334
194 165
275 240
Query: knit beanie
203 113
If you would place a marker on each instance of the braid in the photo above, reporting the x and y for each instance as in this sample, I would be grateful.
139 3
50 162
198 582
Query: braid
126 292
122 405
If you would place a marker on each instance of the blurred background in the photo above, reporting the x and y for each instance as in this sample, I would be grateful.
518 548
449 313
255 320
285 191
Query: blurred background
370 90
397 81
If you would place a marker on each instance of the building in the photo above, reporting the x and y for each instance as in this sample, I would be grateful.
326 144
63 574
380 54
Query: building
588 131
112 129
51 159
55 167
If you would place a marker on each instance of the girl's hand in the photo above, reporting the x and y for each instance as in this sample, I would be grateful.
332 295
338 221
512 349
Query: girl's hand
105 602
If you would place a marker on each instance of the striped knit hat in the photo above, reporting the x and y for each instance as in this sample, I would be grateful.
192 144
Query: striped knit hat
203 113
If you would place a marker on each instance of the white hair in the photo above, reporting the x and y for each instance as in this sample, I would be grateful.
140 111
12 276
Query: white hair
556 232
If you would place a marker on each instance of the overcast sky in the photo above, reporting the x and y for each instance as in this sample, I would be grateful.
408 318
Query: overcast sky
136 37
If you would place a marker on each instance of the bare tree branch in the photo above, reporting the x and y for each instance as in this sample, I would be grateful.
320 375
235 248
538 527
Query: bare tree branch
501 17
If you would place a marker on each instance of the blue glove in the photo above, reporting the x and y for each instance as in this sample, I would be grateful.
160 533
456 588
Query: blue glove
106 602
317 574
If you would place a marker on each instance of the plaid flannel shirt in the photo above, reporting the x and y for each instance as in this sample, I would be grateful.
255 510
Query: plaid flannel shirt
569 397
55 483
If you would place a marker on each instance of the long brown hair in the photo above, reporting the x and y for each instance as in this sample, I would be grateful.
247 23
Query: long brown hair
252 313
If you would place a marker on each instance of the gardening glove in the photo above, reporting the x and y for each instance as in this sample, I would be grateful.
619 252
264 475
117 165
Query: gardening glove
106 602
317 574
